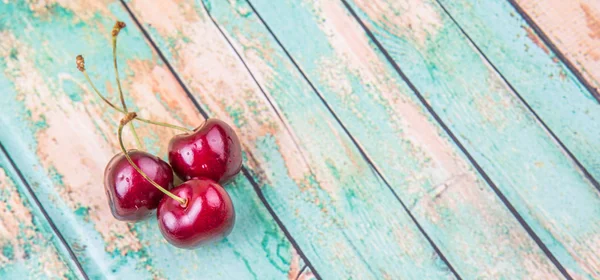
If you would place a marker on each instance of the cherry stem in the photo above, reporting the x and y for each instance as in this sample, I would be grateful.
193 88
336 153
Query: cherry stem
124 121
87 77
81 67
115 32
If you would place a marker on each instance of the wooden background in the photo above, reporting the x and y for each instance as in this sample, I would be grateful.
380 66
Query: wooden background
388 139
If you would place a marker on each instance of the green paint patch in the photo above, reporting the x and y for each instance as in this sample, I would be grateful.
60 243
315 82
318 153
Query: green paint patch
4 195
28 249
59 11
241 257
141 257
83 212
283 250
331 166
99 17
350 196
56 177
321 199
13 53
70 276
79 25
242 9
172 41
237 114
208 5
72 90
280 262
253 105
49 59
42 123
8 251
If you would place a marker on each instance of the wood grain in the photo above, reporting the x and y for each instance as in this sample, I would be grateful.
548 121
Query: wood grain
327 147
61 137
339 211
29 248
545 83
444 192
574 27
494 126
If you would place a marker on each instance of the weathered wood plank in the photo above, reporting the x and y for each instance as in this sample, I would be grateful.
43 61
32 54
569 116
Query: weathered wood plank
29 248
446 195
494 126
345 219
61 137
545 83
574 28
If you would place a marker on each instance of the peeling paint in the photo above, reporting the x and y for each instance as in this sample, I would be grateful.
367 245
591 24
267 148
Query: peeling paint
26 249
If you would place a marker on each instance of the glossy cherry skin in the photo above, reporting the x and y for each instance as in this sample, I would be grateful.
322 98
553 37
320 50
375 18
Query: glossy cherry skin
130 196
211 151
207 216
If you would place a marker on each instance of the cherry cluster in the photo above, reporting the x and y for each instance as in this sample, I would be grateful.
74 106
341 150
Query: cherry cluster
136 182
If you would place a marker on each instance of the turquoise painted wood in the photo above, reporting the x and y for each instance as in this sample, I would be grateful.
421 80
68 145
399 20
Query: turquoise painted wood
60 138
576 39
521 158
29 249
345 219
547 85
425 168
327 160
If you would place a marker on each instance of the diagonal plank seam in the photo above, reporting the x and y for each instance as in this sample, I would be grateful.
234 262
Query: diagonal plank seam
300 272
244 170
479 169
267 97
595 92
239 56
37 203
363 153
586 173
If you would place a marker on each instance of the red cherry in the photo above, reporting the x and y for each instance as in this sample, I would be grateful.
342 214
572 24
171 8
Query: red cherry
207 216
130 196
210 151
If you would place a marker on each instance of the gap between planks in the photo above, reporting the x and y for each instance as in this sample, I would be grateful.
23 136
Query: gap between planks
502 197
245 170
358 146
36 202
594 92
362 151
571 156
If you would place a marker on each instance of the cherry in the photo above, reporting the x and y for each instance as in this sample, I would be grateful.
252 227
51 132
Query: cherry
195 212
131 197
210 151
207 215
